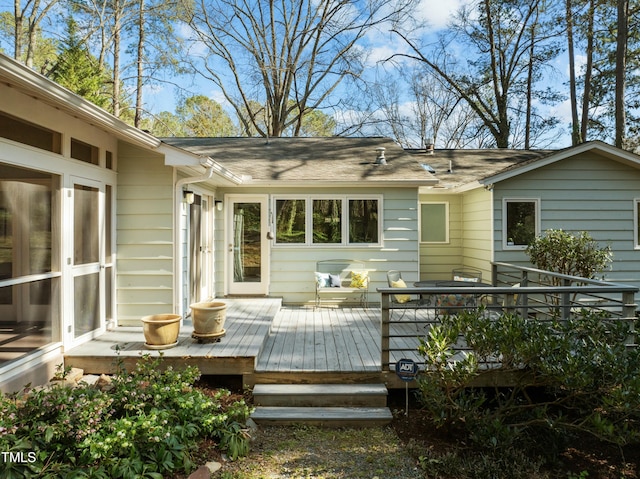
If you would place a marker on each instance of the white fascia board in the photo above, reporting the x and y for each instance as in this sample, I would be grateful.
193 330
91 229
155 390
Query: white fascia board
604 149
338 184
179 158
38 86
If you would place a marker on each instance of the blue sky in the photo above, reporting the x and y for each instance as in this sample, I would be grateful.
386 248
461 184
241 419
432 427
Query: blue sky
433 14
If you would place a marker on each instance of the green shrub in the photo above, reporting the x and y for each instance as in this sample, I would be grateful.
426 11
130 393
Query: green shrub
576 255
146 426
567 377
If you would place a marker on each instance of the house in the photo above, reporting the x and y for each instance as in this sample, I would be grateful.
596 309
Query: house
489 204
89 223
101 223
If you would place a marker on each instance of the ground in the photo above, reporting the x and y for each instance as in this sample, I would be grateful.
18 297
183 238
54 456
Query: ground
408 448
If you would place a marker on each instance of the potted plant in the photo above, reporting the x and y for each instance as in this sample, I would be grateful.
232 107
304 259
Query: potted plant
161 330
208 319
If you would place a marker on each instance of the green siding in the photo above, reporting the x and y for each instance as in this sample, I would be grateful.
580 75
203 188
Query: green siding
292 267
144 237
587 193
470 237
438 259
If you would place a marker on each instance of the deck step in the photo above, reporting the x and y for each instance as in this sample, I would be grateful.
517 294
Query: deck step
320 395
322 416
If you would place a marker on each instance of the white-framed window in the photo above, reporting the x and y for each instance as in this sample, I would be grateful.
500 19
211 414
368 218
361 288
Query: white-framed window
521 222
636 223
322 220
434 222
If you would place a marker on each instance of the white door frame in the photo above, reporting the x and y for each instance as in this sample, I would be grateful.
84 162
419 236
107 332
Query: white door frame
96 267
233 287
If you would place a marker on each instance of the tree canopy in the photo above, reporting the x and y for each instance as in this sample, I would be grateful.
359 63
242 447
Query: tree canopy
494 76
288 55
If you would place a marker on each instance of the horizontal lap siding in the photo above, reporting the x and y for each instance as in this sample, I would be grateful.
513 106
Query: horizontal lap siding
477 231
292 268
469 236
144 282
589 193
438 259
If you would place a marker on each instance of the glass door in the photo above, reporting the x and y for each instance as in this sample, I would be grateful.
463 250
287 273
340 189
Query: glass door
247 245
88 257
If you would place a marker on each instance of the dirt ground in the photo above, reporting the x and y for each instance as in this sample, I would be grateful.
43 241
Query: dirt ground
400 451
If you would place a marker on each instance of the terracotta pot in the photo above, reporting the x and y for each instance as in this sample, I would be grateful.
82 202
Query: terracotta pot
161 330
208 317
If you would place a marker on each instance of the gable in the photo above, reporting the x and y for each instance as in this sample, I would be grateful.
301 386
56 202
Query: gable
608 154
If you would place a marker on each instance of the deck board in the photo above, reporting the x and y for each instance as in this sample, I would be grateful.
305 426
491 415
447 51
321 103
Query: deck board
264 337
323 339
247 325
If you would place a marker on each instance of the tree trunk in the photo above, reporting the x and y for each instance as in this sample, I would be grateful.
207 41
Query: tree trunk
117 26
586 96
140 64
575 126
18 19
527 132
621 56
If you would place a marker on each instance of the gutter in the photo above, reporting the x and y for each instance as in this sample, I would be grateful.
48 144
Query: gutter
209 164
18 76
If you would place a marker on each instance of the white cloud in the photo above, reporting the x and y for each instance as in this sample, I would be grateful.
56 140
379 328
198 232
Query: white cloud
437 13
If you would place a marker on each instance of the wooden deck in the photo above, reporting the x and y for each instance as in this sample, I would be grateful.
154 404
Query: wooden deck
265 342
247 325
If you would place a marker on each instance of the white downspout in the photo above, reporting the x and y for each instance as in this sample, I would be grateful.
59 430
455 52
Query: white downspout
177 229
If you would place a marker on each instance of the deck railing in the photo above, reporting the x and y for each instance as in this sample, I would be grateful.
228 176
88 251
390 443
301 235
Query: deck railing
532 293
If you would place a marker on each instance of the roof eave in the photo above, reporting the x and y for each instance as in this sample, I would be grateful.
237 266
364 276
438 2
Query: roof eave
603 148
339 183
16 75
179 158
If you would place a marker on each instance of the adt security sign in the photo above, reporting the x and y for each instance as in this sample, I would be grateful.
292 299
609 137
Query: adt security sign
406 369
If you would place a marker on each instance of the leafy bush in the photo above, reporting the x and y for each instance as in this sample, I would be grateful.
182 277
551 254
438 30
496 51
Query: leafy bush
567 376
566 253
146 425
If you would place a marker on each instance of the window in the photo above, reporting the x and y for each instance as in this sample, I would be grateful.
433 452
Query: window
290 221
521 218
434 222
636 226
84 152
363 221
29 134
327 221
29 260
340 220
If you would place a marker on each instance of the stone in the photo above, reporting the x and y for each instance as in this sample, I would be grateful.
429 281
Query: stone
251 430
213 466
201 473
90 379
104 383
75 375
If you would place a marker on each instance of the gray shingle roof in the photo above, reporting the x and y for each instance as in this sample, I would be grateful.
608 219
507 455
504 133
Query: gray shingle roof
353 159
309 159
468 166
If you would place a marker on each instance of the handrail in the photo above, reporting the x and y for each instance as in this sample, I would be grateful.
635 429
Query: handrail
525 297
577 279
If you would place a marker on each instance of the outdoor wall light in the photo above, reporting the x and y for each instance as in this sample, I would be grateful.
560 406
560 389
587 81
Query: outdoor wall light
189 197
218 204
